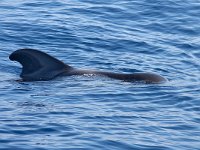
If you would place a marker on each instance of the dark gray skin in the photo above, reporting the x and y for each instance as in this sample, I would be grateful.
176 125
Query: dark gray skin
39 66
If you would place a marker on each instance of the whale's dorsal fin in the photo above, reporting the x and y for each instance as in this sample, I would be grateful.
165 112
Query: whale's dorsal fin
38 65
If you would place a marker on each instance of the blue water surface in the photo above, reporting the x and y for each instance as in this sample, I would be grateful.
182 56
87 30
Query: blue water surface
95 113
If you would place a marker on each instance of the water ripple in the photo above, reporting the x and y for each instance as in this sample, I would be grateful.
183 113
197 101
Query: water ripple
93 112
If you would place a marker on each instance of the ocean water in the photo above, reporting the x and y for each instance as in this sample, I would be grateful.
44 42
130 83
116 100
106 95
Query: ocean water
94 113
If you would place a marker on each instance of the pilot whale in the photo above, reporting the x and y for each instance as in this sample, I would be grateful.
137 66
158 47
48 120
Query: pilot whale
39 66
